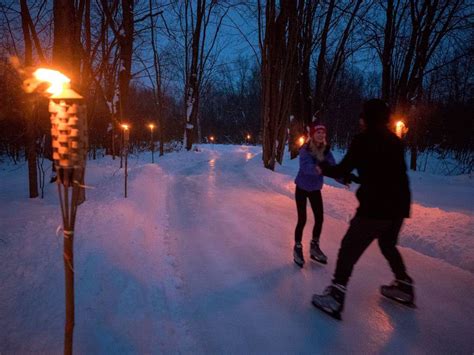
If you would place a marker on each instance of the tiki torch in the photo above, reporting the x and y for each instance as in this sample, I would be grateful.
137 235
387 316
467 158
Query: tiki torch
152 143
247 138
126 138
69 143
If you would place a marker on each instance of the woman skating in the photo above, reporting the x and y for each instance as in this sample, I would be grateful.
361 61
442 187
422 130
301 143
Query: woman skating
308 187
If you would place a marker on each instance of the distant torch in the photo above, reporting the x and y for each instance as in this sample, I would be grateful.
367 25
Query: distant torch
301 140
400 129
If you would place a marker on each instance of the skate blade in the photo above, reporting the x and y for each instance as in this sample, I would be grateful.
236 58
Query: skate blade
329 312
299 263
403 302
319 260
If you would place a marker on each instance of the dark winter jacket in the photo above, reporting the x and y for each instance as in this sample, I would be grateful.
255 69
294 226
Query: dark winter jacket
308 179
378 155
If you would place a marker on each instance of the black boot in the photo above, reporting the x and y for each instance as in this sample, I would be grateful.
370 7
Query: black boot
331 301
298 254
401 291
317 254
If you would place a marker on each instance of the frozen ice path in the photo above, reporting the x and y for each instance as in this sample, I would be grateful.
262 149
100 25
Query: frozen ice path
232 239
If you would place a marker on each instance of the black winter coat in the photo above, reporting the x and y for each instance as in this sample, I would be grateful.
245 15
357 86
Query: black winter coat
378 155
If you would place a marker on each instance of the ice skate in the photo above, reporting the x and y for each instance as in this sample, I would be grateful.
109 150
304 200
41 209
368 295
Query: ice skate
401 291
298 255
316 253
331 301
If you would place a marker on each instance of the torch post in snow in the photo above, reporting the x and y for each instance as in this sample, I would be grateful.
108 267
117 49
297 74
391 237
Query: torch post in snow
152 143
69 143
247 139
126 139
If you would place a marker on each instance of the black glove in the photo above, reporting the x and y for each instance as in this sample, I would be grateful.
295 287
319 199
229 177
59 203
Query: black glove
354 178
323 165
348 179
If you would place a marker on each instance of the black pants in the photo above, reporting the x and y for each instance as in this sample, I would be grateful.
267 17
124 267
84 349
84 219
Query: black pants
316 202
361 232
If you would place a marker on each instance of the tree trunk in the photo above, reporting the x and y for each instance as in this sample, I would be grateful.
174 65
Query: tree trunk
387 53
64 46
30 110
67 58
300 113
318 102
158 91
126 52
279 76
192 85
31 151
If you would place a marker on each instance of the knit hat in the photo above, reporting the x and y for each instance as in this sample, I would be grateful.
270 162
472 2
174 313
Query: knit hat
375 112
315 127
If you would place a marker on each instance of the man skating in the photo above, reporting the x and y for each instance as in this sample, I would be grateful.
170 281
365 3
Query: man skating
384 201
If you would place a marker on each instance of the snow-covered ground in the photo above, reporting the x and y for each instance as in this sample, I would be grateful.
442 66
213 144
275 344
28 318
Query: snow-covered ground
198 260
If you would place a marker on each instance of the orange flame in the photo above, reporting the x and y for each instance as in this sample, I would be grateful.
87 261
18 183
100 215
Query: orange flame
400 129
57 80
301 140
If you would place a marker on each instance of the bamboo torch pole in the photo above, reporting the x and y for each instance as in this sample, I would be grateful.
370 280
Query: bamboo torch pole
69 133
126 138
152 143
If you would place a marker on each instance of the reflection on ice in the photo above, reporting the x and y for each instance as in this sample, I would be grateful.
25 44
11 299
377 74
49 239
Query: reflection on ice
383 325
211 177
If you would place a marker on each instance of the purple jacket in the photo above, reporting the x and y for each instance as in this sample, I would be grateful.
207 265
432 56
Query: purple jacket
308 179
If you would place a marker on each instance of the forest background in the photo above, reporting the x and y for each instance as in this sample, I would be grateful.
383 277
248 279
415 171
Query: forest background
255 72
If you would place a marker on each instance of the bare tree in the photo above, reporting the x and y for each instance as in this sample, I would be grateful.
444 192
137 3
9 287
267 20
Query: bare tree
124 34
300 111
157 83
197 27
413 32
30 35
278 38
323 30
336 45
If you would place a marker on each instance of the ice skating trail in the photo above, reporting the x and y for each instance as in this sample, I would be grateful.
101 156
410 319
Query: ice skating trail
198 259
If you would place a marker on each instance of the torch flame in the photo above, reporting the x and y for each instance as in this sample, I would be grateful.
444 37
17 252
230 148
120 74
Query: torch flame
57 80
400 129
301 140
125 127
211 138
248 136
152 126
